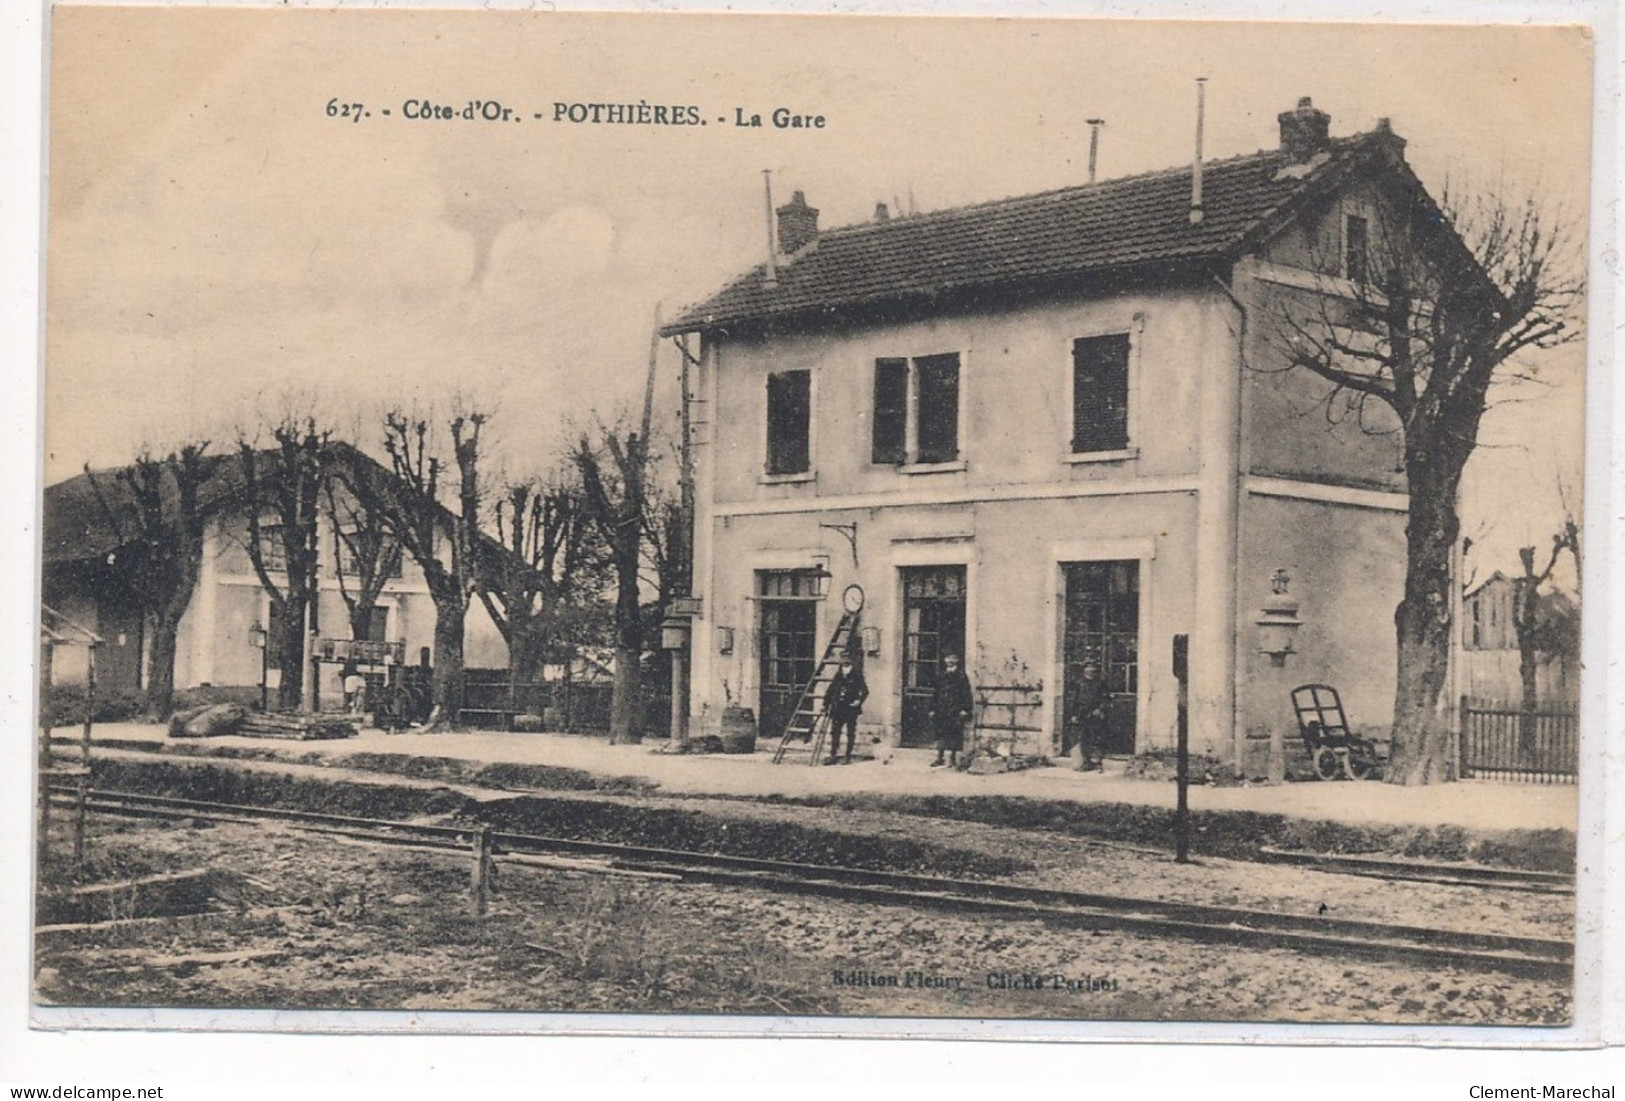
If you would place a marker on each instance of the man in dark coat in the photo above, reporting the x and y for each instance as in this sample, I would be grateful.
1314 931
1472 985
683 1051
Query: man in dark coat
951 706
843 703
1087 718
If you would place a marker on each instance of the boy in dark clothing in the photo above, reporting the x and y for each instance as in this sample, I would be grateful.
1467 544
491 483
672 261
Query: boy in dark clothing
843 703
951 706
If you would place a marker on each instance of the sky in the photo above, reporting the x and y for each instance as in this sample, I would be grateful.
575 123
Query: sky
221 249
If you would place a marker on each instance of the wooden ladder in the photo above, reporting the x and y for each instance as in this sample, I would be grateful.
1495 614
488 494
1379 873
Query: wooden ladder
809 722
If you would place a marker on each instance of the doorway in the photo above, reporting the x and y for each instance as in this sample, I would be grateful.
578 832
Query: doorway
788 634
1102 625
933 625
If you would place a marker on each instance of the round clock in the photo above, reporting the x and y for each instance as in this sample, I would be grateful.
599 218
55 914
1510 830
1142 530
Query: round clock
852 599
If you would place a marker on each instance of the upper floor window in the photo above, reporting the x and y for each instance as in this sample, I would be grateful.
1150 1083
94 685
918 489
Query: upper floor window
355 546
273 548
1100 393
789 422
1356 248
916 410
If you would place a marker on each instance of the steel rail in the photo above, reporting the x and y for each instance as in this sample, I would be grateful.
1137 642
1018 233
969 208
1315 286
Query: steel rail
1462 875
1525 956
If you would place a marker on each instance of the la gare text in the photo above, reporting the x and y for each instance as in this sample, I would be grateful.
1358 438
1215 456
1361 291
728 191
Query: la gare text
638 113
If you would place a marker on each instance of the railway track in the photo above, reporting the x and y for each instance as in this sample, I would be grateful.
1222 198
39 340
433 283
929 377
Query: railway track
1411 871
1523 956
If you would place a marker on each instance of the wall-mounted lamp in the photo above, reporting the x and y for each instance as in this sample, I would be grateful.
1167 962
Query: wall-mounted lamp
1278 620
820 577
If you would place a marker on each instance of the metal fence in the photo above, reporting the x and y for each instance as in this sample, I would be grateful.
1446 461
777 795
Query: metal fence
1500 741
489 700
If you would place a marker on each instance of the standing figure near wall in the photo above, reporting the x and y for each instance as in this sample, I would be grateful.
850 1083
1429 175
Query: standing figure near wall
843 702
1086 720
951 707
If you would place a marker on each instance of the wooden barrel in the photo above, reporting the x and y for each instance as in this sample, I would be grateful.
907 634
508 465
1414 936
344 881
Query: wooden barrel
738 730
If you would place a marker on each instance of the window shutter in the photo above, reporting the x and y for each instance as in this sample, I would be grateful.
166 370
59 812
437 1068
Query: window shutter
789 410
890 424
1100 393
938 440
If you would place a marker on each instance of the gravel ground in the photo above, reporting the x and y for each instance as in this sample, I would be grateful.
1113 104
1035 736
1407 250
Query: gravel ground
319 923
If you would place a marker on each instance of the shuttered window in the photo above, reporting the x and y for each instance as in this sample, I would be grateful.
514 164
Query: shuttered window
938 397
1356 262
933 383
1100 393
789 417
891 411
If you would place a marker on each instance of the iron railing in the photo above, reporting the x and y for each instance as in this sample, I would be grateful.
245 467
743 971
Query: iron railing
1502 741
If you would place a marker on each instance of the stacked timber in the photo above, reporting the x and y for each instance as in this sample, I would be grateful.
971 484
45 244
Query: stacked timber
296 727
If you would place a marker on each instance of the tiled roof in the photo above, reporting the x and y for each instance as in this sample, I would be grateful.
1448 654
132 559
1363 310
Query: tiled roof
1097 229
76 525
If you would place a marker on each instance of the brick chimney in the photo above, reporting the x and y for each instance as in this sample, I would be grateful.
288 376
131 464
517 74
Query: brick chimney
798 224
1304 131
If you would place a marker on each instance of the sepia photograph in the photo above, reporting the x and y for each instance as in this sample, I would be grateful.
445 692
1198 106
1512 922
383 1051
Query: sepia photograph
803 519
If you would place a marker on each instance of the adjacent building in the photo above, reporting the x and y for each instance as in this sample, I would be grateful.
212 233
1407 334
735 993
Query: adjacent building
222 637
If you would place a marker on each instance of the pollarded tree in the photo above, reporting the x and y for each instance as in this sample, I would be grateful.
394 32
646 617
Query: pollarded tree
440 539
1533 630
553 554
612 476
282 488
157 514
365 555
1453 298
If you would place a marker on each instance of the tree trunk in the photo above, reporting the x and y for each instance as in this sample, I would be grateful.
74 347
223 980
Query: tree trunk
526 649
1420 752
626 703
626 697
161 670
448 660
360 620
1527 666
291 654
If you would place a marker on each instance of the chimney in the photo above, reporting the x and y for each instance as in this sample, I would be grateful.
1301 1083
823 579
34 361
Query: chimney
1303 131
798 225
882 213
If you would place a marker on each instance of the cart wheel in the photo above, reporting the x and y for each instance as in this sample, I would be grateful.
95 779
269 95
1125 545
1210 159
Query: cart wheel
1327 766
1359 765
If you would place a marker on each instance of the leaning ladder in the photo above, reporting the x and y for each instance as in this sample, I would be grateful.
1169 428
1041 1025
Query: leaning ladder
809 722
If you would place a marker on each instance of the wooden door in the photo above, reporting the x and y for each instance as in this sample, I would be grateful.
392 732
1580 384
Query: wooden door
933 625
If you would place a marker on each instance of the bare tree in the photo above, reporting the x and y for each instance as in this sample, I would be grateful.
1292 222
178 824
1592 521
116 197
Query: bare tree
365 555
442 541
530 591
284 483
1527 622
612 476
1453 298
159 530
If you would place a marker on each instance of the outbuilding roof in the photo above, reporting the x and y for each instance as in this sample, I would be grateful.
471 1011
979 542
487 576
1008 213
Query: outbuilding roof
1114 227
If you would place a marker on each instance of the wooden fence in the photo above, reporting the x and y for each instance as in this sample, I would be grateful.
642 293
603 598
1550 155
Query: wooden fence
1499 741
